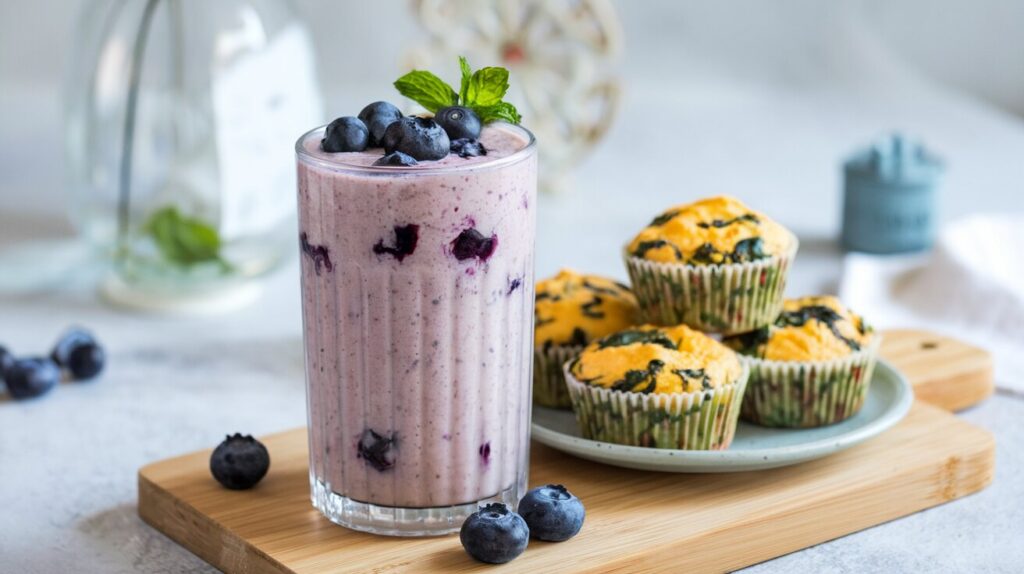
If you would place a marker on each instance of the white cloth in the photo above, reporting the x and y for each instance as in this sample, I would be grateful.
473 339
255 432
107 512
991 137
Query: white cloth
970 286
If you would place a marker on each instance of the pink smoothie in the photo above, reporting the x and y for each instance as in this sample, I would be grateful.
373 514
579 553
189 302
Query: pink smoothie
417 287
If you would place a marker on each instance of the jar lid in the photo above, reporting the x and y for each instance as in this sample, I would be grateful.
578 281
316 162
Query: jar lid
894 160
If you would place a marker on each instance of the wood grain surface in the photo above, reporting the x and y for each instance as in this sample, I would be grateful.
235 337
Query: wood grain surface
944 371
636 521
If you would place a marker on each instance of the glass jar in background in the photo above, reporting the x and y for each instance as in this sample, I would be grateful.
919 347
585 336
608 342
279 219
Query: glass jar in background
180 119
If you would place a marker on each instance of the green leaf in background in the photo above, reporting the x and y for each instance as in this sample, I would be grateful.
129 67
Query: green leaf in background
467 74
183 240
501 111
427 90
486 87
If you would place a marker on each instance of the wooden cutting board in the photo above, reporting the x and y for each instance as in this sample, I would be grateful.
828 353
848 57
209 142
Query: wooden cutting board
636 521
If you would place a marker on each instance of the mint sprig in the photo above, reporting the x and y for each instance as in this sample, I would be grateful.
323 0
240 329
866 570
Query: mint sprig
427 90
481 91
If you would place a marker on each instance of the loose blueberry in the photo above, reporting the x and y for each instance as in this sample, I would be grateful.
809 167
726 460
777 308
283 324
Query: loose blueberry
68 342
406 237
494 534
553 513
377 117
420 138
86 361
396 159
6 361
466 147
239 462
471 243
376 449
345 134
459 122
31 377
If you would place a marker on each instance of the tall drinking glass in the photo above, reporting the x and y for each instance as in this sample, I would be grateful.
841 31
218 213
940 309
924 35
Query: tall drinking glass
417 304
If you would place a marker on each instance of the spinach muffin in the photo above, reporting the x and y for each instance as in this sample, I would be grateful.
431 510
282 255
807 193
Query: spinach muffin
811 367
571 310
715 265
662 387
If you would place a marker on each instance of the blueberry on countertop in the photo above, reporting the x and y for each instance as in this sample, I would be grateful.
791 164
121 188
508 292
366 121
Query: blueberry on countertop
471 243
377 117
396 159
86 361
420 138
31 377
465 147
68 342
553 513
6 361
494 534
239 462
459 122
345 134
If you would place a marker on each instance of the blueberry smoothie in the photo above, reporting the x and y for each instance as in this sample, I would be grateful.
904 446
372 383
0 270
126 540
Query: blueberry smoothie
417 286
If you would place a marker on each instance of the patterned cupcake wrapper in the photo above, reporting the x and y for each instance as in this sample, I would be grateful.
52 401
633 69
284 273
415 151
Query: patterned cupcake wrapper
549 378
703 420
811 393
728 299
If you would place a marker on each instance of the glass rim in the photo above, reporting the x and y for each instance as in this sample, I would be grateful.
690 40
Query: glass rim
528 150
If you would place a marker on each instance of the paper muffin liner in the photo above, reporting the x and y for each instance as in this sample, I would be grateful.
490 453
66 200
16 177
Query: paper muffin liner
549 378
805 394
726 298
702 420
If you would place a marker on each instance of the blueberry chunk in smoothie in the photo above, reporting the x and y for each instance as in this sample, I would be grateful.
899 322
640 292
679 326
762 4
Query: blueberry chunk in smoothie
485 452
471 243
513 284
406 237
319 254
377 449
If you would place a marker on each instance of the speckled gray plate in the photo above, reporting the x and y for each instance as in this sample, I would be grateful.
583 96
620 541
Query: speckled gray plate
754 448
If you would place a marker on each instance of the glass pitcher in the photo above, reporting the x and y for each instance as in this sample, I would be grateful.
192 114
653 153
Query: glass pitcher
180 118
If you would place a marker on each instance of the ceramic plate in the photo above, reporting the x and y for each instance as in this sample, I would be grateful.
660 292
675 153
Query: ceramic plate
754 448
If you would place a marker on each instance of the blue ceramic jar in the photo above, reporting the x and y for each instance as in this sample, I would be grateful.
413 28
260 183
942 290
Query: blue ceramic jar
889 197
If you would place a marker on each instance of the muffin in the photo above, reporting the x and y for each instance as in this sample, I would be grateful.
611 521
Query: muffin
662 387
715 265
570 311
810 368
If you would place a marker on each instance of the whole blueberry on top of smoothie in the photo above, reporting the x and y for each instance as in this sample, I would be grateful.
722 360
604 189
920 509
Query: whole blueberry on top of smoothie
377 117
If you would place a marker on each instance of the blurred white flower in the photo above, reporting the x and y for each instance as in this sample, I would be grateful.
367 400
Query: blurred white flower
559 53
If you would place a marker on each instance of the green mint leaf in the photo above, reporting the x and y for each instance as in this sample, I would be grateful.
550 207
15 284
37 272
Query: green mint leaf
501 111
482 91
486 87
183 240
467 74
427 90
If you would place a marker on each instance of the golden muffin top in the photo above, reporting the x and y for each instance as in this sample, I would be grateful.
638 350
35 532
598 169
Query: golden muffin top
808 329
574 309
649 359
711 231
